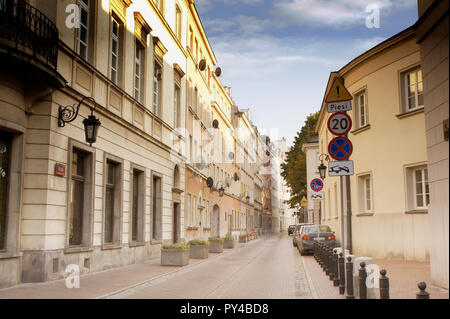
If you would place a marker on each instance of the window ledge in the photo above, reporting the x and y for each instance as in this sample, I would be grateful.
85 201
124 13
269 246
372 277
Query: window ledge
410 113
137 244
192 228
361 129
112 246
177 190
7 255
75 250
206 228
364 214
417 211
156 242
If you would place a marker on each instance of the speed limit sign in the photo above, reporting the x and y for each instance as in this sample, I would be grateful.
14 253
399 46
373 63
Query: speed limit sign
339 123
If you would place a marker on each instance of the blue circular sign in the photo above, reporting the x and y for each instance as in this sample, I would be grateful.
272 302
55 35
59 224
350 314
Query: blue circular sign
340 148
316 185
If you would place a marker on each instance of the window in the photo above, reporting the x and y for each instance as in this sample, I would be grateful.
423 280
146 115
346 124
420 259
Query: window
178 22
194 212
111 231
365 193
176 107
83 36
116 43
160 5
138 205
361 109
157 86
191 39
5 142
139 72
421 188
189 211
80 196
157 208
412 89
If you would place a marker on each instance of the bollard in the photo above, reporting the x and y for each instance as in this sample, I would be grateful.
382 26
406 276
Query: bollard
384 285
327 261
350 278
335 268
362 281
422 294
341 274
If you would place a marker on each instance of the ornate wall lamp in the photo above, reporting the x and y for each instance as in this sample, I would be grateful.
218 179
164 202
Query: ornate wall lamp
91 124
322 168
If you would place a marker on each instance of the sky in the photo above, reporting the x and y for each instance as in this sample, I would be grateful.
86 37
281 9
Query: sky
277 55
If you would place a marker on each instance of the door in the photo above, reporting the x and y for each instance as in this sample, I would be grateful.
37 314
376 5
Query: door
215 222
176 217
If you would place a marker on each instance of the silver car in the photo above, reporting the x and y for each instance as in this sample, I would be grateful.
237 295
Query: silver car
308 234
297 232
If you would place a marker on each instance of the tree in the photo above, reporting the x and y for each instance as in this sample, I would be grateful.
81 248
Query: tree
294 169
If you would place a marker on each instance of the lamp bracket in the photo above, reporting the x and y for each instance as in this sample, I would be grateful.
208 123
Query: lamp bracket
69 113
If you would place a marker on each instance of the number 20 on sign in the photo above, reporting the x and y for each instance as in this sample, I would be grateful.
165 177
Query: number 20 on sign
339 123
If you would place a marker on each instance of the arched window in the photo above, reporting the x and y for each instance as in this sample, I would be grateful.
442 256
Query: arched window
176 177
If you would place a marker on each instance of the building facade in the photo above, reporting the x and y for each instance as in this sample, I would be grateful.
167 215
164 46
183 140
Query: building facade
386 200
311 150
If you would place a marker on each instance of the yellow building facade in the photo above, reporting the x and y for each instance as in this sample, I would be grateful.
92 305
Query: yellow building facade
388 193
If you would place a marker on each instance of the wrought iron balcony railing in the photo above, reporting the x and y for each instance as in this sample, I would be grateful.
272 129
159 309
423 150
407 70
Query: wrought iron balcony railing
29 30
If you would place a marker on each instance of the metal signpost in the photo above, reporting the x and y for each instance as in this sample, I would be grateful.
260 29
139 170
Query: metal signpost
339 100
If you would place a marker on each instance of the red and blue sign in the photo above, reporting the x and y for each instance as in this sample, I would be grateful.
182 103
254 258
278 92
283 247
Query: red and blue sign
340 148
316 184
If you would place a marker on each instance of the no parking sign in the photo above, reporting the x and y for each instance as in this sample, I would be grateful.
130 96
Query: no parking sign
316 184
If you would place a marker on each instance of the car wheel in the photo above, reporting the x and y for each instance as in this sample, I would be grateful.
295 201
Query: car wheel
302 253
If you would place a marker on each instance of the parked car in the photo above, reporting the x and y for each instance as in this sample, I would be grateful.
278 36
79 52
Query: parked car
310 233
291 229
297 232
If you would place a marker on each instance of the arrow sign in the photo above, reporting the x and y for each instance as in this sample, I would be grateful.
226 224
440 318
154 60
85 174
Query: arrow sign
317 196
340 168
339 123
340 148
316 185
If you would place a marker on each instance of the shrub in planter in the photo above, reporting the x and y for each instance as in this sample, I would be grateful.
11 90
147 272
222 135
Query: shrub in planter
229 241
243 238
198 249
216 245
175 255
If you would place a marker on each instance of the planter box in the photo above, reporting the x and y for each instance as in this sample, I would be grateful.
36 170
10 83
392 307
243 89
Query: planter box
215 246
243 239
174 257
198 251
228 243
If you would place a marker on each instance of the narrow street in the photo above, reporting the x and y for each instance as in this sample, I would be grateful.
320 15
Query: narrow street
266 268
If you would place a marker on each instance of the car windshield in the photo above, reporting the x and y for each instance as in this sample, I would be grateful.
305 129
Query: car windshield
316 229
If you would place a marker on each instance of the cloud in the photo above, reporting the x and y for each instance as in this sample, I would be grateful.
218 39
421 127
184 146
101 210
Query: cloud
333 13
205 5
363 45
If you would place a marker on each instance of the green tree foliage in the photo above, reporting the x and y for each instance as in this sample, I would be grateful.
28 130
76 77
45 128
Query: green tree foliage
294 170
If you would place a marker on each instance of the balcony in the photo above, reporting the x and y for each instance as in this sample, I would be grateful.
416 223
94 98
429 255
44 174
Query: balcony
28 35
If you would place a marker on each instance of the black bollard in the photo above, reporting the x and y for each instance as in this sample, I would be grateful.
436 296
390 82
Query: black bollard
327 261
362 281
335 268
341 274
422 294
350 278
384 285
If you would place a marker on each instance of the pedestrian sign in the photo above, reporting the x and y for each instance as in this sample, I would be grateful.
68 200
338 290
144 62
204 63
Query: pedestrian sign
340 148
338 92
316 184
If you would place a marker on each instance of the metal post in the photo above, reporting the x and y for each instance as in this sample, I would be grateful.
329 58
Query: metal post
341 274
335 269
384 285
342 217
327 261
362 281
350 278
422 294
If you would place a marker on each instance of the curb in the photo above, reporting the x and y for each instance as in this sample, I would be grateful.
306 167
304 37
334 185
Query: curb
310 283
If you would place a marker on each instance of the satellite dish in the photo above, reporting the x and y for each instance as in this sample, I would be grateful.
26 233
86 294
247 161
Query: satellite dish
236 177
202 65
215 124
228 181
209 182
218 71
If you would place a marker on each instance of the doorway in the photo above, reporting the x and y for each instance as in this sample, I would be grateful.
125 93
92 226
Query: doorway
215 222
176 223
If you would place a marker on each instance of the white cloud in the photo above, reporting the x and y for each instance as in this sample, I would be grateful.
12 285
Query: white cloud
333 13
363 45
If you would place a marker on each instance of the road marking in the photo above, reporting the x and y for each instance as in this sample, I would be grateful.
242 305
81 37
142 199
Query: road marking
310 283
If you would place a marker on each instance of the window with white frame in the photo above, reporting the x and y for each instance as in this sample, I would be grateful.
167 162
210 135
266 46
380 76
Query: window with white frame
139 71
115 50
157 76
189 210
361 109
412 89
365 193
194 212
83 31
176 106
417 187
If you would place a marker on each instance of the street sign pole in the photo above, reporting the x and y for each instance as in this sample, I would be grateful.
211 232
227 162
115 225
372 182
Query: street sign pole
342 219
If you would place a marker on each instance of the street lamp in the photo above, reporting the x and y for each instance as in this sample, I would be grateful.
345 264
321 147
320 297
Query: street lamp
91 124
322 168
221 191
